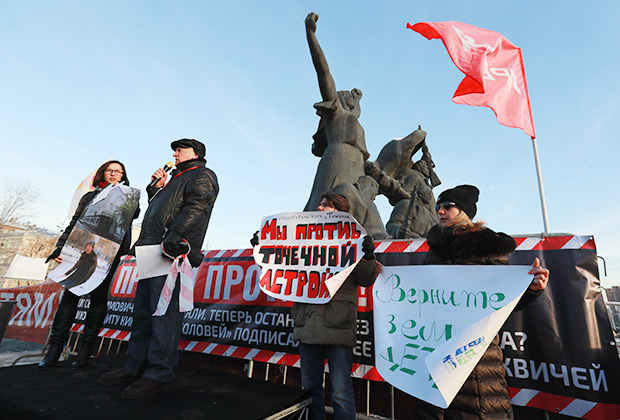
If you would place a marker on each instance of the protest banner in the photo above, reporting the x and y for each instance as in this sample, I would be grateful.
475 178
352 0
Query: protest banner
34 310
559 352
305 257
95 239
433 323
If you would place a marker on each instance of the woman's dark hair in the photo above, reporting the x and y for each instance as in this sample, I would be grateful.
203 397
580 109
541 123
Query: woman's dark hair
338 201
99 174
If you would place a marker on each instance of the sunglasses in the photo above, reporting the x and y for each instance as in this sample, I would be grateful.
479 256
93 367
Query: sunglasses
446 205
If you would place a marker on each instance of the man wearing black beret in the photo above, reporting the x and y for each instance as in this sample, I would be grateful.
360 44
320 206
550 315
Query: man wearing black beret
177 218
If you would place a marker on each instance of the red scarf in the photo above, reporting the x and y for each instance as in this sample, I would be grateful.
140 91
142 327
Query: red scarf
188 169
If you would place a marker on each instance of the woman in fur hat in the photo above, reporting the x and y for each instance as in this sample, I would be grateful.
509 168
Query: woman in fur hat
459 240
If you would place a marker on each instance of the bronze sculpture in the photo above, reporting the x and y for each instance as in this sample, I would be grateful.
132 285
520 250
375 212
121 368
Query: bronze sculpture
344 166
339 139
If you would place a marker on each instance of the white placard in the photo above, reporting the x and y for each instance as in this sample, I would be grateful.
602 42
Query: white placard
95 239
305 257
434 323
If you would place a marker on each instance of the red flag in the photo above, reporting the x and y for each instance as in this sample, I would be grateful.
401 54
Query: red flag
493 67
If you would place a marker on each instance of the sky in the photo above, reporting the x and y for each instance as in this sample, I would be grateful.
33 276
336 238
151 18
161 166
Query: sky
86 81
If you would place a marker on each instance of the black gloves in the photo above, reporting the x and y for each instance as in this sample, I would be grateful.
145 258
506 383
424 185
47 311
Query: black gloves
173 245
254 240
368 248
54 254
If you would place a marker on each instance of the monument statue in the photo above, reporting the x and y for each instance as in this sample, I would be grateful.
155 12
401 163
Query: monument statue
414 216
339 140
361 196
407 185
344 167
393 161
396 155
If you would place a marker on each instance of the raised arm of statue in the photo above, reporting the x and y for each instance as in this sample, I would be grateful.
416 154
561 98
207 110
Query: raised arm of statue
326 81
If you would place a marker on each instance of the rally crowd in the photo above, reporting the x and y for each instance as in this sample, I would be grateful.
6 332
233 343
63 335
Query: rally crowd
176 220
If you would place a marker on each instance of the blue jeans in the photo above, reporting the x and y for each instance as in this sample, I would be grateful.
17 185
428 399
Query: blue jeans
154 339
340 361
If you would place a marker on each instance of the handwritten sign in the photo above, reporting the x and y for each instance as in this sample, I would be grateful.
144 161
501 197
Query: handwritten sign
434 323
305 257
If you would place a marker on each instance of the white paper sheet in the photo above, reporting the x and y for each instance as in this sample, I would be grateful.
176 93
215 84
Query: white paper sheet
150 262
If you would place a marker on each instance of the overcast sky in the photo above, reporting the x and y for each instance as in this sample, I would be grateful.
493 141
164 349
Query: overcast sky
85 81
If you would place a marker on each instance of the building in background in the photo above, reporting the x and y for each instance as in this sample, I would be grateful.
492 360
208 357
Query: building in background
613 308
25 242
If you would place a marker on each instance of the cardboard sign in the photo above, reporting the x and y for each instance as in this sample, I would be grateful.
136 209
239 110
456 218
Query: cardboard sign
305 257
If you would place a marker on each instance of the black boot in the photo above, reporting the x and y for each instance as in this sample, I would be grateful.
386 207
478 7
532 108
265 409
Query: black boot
92 326
65 314
51 357
86 350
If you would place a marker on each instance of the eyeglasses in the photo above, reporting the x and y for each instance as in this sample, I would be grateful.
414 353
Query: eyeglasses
114 171
446 205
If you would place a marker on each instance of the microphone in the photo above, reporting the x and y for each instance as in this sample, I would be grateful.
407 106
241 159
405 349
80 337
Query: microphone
154 181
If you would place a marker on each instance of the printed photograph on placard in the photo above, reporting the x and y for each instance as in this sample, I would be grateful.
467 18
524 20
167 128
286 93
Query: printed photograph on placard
86 260
95 240
111 212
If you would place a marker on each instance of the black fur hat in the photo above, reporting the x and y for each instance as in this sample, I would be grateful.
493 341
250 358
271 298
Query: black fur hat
464 196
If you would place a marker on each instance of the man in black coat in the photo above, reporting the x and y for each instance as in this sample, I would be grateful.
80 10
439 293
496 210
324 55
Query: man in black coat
83 268
177 217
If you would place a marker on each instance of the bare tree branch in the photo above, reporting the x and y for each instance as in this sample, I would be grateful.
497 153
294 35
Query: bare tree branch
17 201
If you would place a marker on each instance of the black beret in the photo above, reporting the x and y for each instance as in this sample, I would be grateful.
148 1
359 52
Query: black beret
198 147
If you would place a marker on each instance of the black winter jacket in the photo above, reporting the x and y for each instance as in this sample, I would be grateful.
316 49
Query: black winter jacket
184 206
484 394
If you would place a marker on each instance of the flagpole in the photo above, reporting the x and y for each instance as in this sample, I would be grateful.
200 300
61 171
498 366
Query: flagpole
540 186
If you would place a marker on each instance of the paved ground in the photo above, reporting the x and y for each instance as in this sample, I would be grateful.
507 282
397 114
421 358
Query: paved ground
12 349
